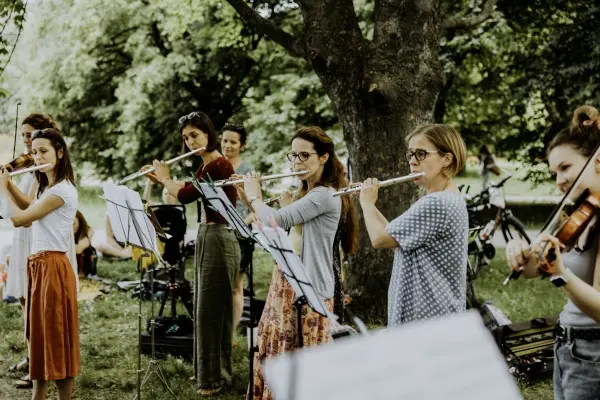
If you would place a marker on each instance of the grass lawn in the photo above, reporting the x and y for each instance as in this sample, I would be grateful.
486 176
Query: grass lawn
109 330
109 324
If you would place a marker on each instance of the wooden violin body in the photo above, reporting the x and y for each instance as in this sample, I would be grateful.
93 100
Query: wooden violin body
21 162
587 206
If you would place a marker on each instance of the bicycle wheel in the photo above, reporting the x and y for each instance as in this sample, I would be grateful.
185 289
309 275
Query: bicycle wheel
512 228
476 262
471 298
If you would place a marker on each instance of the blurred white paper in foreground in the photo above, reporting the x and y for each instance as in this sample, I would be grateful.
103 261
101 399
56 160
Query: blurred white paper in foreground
454 357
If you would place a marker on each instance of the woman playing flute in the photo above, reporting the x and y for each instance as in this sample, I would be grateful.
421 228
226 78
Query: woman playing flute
430 238
217 257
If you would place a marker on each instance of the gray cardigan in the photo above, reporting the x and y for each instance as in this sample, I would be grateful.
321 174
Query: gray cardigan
319 213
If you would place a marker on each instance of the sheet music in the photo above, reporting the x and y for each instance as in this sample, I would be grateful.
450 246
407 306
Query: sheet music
277 243
122 220
453 357
218 201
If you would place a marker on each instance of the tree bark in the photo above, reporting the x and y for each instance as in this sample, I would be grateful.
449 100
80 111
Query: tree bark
381 90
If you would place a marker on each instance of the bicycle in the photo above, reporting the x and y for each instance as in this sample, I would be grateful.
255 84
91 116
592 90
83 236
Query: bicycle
491 202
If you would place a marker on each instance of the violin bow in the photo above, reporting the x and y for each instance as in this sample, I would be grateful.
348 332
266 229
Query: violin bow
16 127
555 214
551 221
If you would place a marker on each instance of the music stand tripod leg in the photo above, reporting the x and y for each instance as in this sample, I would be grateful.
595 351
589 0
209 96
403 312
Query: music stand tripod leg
252 324
153 367
300 301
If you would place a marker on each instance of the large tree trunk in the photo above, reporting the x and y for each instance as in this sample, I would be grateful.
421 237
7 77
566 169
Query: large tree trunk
381 90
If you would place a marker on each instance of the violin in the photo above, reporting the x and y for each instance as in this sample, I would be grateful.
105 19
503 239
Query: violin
587 206
568 232
25 160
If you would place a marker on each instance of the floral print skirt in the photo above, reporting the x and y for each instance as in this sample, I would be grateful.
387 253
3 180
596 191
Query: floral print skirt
278 333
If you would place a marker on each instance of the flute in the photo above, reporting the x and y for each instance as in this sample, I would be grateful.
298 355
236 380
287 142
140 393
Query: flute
151 169
30 169
358 186
231 182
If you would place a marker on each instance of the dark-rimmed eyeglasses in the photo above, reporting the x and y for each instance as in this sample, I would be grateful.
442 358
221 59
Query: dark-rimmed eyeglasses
188 117
420 154
303 156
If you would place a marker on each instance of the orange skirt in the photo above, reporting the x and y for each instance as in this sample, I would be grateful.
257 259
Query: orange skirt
52 321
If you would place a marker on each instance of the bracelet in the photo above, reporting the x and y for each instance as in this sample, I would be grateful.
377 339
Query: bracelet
252 198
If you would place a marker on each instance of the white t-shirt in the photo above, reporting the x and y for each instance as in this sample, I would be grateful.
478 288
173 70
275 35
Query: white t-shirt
54 232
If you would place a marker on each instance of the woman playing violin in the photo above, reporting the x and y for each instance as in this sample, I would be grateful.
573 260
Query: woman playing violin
577 347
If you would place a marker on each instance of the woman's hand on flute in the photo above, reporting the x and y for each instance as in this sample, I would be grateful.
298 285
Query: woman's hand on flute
252 186
285 199
240 189
161 171
152 176
369 191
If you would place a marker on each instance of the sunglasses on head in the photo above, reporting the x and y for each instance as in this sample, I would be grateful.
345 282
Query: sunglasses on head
42 133
189 117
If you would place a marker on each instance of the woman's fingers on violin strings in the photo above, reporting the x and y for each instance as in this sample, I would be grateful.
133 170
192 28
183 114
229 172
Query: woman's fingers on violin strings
517 254
552 239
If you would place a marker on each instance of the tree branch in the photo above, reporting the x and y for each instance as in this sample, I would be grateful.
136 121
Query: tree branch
289 42
16 41
159 41
458 22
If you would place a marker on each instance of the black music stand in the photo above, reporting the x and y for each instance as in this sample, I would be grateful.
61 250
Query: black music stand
218 201
275 240
132 226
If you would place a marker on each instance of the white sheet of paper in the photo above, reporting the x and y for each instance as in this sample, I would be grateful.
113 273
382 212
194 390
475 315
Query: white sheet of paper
277 243
219 202
121 219
453 357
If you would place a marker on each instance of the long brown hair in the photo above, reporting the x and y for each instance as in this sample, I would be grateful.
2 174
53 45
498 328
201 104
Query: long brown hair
63 167
84 228
201 121
333 176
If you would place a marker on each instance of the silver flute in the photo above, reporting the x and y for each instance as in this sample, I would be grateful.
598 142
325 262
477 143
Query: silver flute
231 182
355 187
30 169
147 171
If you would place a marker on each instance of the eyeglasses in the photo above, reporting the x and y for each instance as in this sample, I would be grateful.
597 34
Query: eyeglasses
190 116
419 154
42 133
303 156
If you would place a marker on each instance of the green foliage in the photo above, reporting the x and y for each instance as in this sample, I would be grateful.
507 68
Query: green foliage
118 75
515 80
12 16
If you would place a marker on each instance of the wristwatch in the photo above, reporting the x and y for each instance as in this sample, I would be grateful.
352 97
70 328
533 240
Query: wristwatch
558 280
